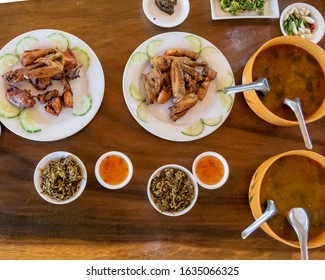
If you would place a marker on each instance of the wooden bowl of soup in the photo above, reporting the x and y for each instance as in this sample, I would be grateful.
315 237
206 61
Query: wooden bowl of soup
294 67
291 179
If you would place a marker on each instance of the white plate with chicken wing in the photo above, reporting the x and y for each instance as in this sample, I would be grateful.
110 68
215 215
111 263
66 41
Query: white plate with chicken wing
199 120
87 87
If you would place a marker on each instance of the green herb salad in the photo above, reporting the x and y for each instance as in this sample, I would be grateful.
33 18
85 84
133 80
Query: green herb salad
237 7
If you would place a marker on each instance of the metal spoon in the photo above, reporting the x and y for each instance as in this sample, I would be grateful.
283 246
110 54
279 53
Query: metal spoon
261 84
270 211
299 220
295 105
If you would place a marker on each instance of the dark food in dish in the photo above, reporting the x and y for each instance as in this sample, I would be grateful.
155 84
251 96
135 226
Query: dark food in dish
61 178
166 6
172 190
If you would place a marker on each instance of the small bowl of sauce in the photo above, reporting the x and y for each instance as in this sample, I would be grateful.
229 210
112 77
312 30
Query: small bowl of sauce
210 170
113 170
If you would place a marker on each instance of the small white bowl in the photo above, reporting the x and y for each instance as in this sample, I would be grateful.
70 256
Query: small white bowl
189 175
112 186
45 162
318 32
224 163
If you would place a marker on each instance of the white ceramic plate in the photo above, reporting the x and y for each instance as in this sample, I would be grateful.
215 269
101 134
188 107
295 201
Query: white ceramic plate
271 10
162 19
209 113
91 82
319 30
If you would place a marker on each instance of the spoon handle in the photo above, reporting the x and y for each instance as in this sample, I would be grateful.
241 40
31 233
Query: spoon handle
260 84
267 215
303 247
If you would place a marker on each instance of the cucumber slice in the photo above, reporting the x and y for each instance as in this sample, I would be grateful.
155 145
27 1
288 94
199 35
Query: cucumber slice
226 81
7 60
27 43
153 47
194 129
8 110
135 93
27 122
81 56
225 100
60 41
142 112
83 107
193 42
206 52
138 57
212 121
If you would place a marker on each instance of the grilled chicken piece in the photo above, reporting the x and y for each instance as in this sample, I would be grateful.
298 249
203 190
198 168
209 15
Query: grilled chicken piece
162 62
69 60
209 75
182 106
47 96
67 94
152 84
180 52
20 98
30 56
18 74
54 107
41 83
52 69
166 6
178 81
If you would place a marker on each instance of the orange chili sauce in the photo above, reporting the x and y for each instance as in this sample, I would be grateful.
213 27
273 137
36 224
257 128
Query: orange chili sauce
209 170
113 170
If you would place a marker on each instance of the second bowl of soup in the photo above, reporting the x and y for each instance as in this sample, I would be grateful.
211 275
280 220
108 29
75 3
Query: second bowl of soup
294 67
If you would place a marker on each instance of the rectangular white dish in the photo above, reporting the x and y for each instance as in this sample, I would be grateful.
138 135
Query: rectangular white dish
271 10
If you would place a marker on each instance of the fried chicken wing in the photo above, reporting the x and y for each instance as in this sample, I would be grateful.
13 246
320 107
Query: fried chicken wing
54 107
20 98
47 96
177 80
181 52
67 94
152 82
30 56
180 108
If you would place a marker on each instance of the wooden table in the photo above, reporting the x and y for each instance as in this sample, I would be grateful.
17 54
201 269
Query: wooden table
122 224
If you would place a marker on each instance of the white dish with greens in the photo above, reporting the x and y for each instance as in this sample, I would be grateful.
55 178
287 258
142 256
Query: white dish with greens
199 121
35 122
226 9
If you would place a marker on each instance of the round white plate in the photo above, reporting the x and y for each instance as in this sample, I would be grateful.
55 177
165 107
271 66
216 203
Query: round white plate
162 19
91 82
211 112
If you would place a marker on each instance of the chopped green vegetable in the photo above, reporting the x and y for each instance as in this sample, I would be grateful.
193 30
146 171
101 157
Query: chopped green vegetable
237 7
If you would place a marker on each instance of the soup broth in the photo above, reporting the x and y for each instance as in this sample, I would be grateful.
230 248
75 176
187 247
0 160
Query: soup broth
295 181
291 72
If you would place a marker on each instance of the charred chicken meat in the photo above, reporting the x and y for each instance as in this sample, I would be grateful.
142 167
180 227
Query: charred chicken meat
39 68
180 76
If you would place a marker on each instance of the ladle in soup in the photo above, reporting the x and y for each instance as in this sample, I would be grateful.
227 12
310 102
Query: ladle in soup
294 104
299 220
261 84
270 211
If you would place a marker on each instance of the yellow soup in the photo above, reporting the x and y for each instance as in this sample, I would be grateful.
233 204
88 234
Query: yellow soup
291 72
295 181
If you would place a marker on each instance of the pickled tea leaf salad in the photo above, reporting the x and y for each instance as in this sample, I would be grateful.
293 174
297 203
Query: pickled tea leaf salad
237 7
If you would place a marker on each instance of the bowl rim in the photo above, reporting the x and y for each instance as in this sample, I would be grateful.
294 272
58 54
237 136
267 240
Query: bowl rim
127 179
251 96
191 177
317 16
44 162
225 176
260 171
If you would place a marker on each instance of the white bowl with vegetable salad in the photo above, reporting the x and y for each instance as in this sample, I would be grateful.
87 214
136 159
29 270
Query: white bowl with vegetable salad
303 20
172 190
60 177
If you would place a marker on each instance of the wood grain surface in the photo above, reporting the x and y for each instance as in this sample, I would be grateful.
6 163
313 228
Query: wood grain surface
121 224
